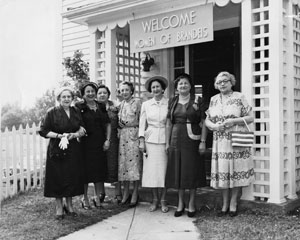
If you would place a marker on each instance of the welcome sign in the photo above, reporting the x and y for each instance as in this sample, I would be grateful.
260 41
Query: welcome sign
171 29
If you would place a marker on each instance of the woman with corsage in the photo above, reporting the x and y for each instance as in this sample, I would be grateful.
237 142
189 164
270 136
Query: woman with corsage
231 167
112 153
185 139
152 136
95 143
130 161
64 126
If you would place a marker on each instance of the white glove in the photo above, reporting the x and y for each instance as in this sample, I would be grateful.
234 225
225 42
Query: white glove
63 144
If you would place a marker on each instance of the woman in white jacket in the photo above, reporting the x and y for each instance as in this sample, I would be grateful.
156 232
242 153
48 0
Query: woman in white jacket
152 127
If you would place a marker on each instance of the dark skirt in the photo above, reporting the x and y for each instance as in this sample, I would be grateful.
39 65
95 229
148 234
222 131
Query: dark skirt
186 169
112 161
95 161
64 176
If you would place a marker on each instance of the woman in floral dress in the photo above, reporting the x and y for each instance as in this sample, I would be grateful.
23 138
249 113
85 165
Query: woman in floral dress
130 161
232 168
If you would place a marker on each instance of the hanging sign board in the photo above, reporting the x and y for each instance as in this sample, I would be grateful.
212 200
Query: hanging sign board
171 29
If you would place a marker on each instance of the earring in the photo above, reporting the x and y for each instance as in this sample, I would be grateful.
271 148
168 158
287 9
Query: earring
163 91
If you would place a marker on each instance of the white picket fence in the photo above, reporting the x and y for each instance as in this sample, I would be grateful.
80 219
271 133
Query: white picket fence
22 160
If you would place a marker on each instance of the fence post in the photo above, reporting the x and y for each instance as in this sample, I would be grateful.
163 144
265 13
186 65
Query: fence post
7 157
14 161
28 157
21 159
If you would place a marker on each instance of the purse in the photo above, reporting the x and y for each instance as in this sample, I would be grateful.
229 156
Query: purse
242 139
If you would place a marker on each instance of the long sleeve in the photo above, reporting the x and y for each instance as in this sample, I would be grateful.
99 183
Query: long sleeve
143 121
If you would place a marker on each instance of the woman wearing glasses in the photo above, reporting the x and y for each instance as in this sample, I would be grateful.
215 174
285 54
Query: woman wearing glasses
231 168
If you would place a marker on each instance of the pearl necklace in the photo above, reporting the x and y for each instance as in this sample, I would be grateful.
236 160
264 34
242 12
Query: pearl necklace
184 99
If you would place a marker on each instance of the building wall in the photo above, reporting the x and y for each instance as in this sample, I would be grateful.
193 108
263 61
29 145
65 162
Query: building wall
74 36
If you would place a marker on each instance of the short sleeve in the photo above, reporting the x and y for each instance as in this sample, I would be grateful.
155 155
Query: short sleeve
245 108
46 124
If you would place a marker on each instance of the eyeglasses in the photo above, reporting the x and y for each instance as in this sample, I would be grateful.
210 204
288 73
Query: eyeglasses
222 82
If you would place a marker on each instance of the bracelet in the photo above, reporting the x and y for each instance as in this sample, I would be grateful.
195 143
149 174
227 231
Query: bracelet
108 140
203 141
57 135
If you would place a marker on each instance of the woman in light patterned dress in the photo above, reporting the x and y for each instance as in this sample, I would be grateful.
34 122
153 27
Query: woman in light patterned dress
130 160
231 168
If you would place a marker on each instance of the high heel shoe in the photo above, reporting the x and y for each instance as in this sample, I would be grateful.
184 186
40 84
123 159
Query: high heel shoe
179 213
84 205
59 216
127 201
191 214
154 205
164 207
117 199
133 204
222 213
96 205
102 197
68 212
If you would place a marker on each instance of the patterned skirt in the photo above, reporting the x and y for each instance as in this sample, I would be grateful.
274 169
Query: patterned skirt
130 160
230 167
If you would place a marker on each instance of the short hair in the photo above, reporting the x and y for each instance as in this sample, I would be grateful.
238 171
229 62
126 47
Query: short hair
130 85
61 90
91 84
107 89
184 76
228 75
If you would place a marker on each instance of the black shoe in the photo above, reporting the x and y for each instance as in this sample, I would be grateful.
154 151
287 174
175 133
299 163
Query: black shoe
85 206
191 214
102 197
127 201
233 213
179 213
68 213
59 216
133 204
96 205
222 213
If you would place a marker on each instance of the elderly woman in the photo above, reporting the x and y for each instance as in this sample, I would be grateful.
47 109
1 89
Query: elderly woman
153 141
95 143
130 162
232 168
103 95
63 125
184 140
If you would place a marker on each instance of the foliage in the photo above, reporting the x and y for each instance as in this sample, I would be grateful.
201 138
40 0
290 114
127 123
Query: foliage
77 70
13 115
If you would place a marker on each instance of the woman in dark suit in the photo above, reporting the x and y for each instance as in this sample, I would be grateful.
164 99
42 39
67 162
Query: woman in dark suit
184 140
95 143
63 125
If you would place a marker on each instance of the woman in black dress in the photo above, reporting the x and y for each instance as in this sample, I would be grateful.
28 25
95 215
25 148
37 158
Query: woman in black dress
184 140
63 125
95 143
112 108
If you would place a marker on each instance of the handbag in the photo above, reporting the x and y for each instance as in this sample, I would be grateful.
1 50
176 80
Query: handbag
242 139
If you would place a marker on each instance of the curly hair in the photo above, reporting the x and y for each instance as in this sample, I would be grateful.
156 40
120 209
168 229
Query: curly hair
228 75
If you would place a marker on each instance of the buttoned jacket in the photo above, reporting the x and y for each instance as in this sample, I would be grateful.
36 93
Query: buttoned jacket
152 125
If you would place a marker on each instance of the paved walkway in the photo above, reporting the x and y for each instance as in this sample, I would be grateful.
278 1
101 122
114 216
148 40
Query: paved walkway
139 224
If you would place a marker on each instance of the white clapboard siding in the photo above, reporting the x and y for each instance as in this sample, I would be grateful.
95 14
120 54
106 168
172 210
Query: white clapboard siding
74 36
23 154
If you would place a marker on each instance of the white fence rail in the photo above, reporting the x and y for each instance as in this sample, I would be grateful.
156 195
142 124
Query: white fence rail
22 160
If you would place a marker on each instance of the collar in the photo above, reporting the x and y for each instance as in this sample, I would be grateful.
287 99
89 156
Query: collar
154 102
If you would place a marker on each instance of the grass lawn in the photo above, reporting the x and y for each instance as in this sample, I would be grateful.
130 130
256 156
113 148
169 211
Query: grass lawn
31 216
249 225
